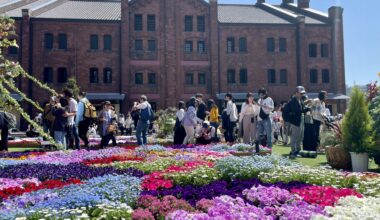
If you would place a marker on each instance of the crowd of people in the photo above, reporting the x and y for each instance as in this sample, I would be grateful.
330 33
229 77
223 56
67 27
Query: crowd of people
260 122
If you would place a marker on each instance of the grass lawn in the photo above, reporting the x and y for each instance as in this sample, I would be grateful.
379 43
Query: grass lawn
314 162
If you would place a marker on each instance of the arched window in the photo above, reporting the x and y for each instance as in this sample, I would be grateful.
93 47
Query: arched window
48 75
107 75
94 75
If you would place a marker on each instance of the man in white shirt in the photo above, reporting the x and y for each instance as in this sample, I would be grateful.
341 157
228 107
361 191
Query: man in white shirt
72 134
264 125
231 111
144 121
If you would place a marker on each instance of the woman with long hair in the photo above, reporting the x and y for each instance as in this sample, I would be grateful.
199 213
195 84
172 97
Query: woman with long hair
179 130
248 119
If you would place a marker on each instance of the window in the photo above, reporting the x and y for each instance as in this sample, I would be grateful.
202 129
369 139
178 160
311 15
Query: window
138 45
283 76
94 45
188 23
202 79
231 76
189 79
151 23
12 50
152 79
324 50
48 75
283 45
107 41
243 44
139 80
62 41
188 46
138 22
271 76
230 45
325 76
313 76
94 78
271 45
62 75
312 50
151 45
48 42
201 47
107 75
243 76
201 23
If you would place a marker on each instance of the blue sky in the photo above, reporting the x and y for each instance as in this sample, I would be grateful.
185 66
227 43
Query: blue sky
362 35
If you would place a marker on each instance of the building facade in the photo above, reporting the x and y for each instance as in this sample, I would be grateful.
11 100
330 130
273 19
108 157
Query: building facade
172 49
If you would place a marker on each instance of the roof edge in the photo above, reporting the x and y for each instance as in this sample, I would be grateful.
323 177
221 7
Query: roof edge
14 5
308 12
46 7
281 13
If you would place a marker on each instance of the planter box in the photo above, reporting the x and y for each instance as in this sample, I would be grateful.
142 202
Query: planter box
338 157
359 162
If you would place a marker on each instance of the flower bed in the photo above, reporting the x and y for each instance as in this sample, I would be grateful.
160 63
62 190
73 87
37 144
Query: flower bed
183 182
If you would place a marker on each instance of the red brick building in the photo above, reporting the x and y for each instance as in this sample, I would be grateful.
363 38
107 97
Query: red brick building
172 49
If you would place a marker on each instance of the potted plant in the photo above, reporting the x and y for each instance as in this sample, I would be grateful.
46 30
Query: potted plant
374 111
337 156
357 131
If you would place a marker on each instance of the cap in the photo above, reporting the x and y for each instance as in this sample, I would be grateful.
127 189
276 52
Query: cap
206 123
300 89
107 103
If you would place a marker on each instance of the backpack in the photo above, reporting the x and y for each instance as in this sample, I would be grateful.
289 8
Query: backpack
146 114
89 111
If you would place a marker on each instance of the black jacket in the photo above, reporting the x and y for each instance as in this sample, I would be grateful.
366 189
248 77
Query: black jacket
296 109
60 122
201 112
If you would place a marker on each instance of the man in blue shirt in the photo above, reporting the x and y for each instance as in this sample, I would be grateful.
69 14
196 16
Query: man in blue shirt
80 121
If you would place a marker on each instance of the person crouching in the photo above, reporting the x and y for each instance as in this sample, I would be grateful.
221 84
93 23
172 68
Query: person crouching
207 134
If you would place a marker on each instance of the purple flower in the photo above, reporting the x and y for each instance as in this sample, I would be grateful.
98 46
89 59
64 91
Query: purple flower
63 172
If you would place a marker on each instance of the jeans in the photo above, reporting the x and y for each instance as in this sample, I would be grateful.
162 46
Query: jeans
229 134
190 131
264 127
141 130
287 131
82 131
73 136
297 137
4 139
60 138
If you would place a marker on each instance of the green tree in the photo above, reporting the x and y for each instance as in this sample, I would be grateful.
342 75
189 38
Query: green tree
73 86
357 124
10 70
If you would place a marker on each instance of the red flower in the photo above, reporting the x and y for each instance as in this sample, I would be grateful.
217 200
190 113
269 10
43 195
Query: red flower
324 195
31 187
112 159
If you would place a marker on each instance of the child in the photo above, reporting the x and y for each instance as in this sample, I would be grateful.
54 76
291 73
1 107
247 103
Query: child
276 125
128 124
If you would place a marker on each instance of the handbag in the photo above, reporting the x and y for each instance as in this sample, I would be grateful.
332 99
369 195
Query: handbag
263 115
111 128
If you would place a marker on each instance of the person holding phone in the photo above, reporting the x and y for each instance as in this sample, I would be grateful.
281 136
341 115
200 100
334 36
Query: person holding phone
248 119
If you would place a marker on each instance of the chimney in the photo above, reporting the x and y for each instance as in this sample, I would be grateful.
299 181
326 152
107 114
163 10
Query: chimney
260 1
303 3
287 2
